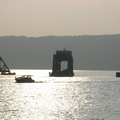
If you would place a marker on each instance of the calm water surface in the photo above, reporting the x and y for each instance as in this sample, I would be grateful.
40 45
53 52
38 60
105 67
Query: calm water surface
89 95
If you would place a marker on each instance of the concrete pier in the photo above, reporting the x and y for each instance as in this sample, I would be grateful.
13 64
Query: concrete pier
60 56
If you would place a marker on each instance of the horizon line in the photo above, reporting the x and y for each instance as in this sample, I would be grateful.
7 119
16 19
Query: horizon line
58 35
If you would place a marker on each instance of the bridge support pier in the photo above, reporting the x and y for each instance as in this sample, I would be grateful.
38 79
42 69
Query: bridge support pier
60 56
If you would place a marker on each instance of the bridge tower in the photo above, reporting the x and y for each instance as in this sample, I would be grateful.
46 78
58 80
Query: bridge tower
60 56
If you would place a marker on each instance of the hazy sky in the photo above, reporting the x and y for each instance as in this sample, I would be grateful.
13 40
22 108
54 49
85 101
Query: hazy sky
59 17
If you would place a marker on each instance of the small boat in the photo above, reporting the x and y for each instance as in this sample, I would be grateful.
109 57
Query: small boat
24 79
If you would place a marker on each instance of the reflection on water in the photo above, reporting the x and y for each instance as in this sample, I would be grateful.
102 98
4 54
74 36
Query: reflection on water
87 96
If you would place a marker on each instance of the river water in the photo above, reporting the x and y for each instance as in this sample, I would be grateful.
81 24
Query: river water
89 95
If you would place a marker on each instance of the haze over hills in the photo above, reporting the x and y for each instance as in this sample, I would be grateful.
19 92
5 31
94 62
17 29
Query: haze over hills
90 52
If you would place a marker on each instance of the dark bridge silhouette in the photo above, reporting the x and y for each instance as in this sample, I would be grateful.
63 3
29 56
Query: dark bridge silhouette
60 56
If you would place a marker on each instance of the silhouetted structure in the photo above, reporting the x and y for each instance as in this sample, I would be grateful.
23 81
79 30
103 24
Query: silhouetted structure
4 68
60 56
117 74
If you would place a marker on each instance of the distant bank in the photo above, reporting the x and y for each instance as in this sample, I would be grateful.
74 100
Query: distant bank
90 52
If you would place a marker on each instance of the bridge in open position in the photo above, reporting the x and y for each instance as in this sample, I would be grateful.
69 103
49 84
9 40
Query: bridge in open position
60 56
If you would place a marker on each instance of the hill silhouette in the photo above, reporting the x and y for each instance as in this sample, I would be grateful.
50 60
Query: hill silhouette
90 52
